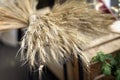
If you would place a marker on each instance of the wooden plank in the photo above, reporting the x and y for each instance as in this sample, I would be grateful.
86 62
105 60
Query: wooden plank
76 69
57 70
70 71
101 40
107 48
73 69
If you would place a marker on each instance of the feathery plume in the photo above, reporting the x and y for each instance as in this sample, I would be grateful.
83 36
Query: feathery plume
56 35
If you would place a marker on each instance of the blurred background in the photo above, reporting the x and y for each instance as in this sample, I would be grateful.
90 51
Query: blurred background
10 65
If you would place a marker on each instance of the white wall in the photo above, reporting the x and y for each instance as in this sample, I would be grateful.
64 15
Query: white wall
9 37
108 3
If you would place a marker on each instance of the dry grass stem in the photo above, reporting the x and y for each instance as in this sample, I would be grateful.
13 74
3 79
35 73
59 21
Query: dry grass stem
56 35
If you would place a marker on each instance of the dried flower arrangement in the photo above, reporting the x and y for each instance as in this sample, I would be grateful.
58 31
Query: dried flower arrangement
55 35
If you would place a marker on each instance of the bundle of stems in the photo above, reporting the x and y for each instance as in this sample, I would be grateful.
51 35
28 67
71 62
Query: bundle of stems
52 37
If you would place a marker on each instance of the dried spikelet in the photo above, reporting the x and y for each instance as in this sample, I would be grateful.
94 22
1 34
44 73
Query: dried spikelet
52 37
62 32
78 15
16 12
44 34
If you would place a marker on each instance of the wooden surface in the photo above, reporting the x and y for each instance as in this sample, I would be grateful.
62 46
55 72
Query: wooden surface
108 44
108 47
100 41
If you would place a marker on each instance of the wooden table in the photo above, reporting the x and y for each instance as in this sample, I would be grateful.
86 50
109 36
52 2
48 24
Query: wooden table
108 44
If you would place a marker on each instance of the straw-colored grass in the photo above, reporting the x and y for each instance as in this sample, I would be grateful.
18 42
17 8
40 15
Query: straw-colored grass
56 35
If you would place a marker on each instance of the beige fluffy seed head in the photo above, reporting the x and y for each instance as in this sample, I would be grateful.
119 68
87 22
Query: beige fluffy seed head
56 35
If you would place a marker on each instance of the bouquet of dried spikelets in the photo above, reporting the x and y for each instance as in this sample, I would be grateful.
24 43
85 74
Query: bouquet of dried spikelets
56 35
